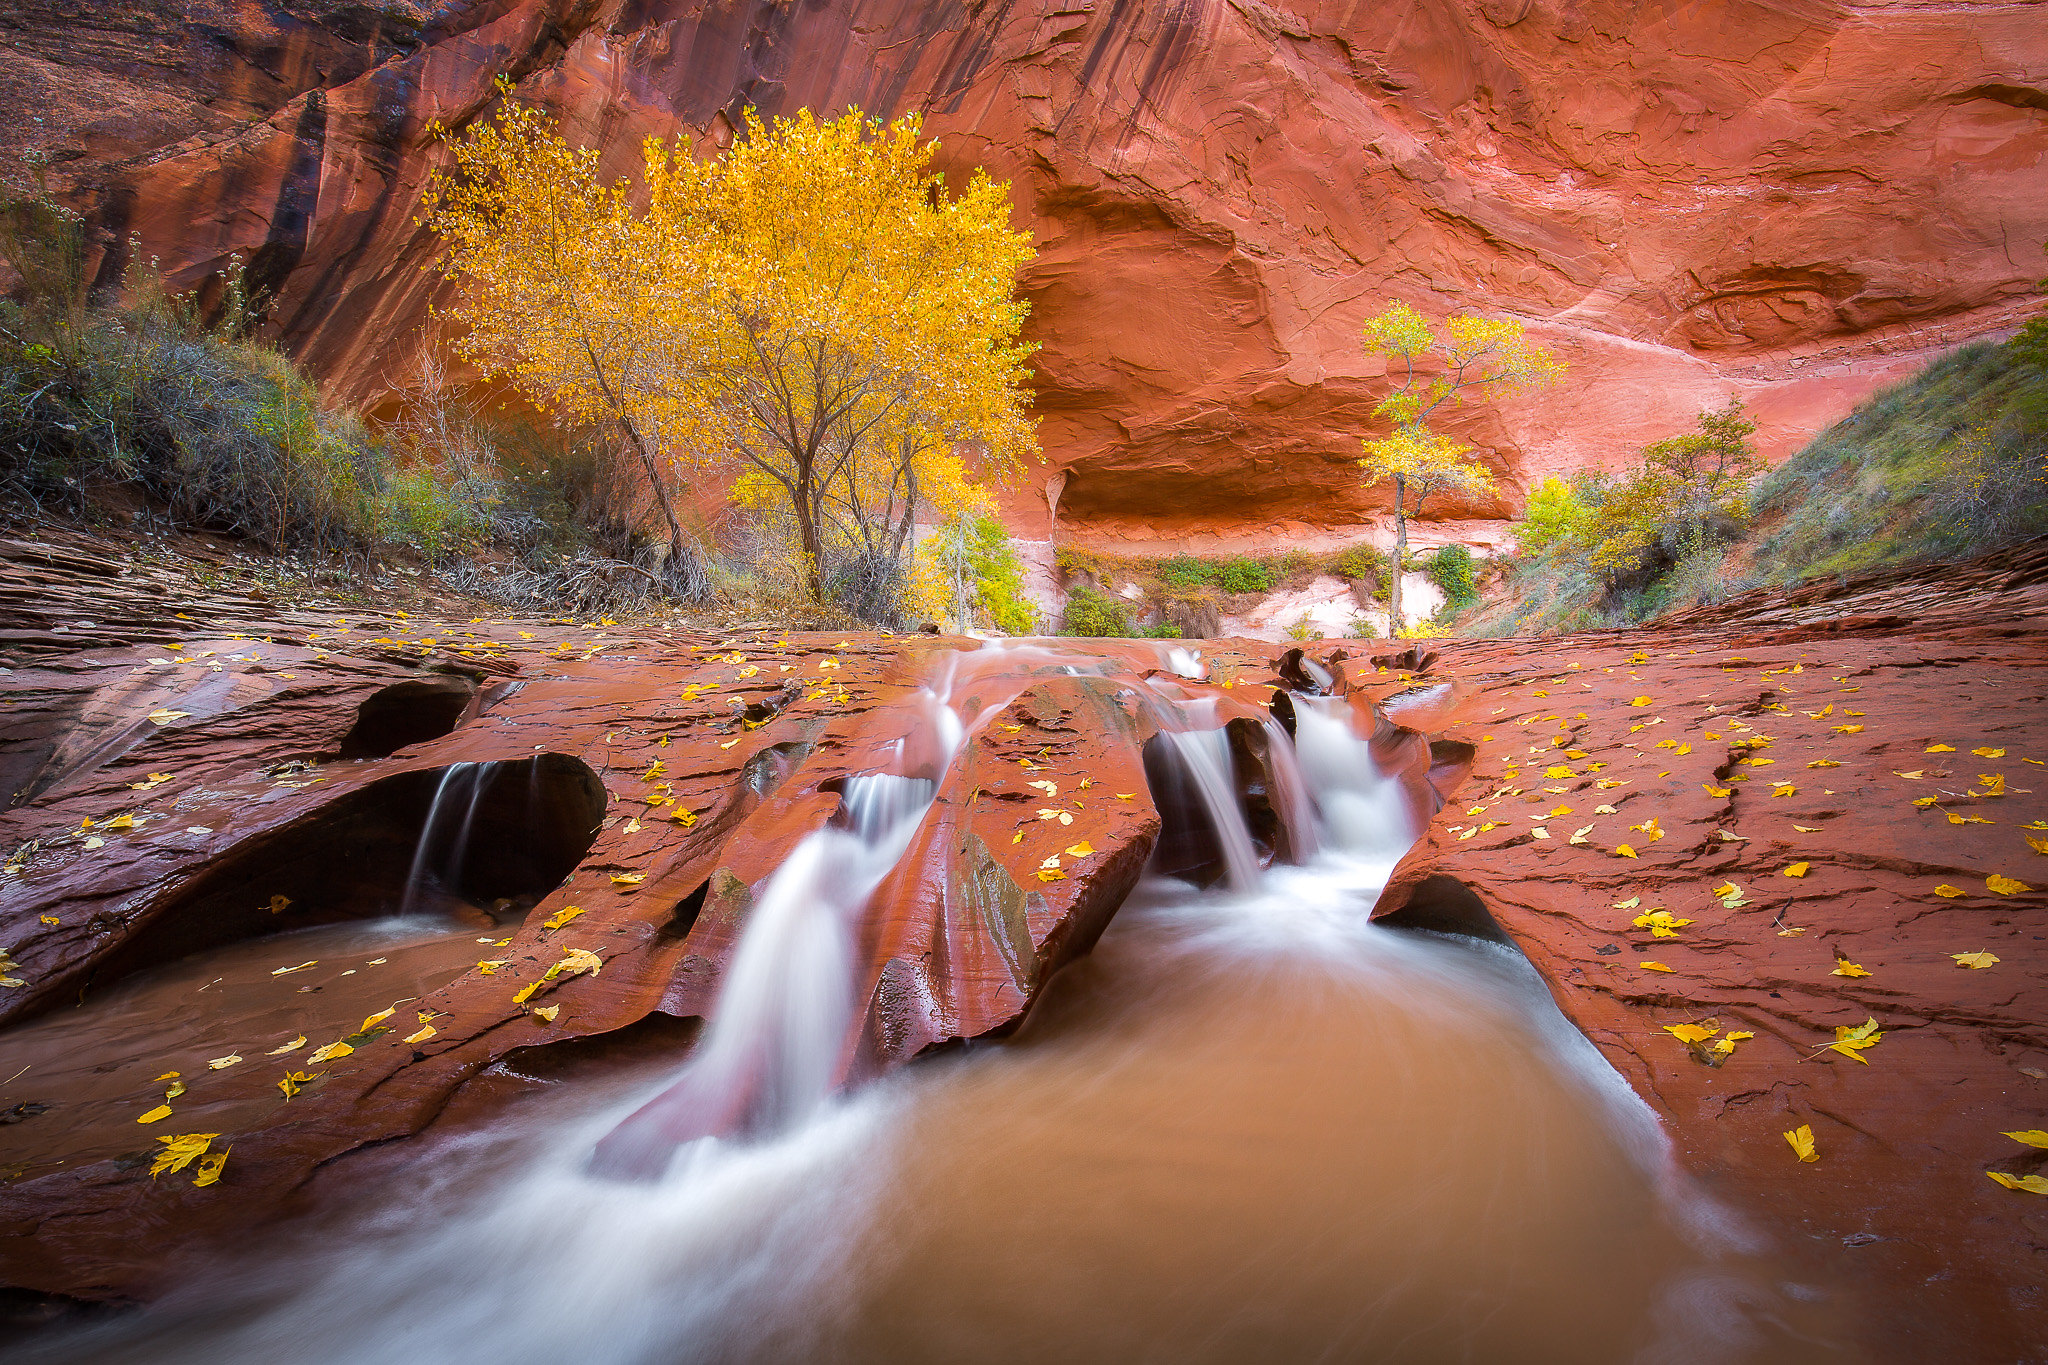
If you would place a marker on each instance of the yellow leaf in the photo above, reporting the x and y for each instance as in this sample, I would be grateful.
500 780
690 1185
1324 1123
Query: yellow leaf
179 1152
173 1090
1844 967
122 821
1848 729
1124 796
729 743
279 904
1798 869
1807 829
329 1053
1727 1045
2038 845
2032 1184
1851 1042
287 971
1047 874
1923 802
1624 851
49 919
1557 770
164 716
1949 893
223 1063
1823 763
490 967
210 1166
547 1012
2005 886
628 878
161 1112
1939 749
294 1082
293 1046
1690 1033
1640 701
562 916
2033 1137
1653 966
1975 961
1080 850
1989 753
1631 903
1801 1139
425 1032
1784 789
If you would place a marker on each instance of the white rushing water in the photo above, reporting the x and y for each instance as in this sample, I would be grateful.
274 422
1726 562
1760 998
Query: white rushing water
1250 1126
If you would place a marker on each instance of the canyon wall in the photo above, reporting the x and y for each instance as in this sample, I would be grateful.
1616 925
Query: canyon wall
1789 201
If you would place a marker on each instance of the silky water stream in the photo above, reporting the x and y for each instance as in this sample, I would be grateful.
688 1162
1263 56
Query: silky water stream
1250 1126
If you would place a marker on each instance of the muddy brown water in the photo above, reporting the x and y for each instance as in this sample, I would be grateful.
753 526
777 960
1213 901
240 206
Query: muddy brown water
1250 1129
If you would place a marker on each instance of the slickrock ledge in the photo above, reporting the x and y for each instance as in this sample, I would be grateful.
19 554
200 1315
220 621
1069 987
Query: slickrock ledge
1782 734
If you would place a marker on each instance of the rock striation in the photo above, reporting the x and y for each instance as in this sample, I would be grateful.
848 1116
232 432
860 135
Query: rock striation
1788 202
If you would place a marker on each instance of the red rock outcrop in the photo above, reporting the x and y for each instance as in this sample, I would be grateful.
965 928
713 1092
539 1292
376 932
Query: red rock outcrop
598 798
1784 201
1844 774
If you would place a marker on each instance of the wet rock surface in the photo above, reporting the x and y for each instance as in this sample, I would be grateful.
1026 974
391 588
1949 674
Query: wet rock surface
560 839
671 774
1841 774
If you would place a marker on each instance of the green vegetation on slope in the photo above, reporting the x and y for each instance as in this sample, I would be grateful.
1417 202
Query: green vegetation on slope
1945 465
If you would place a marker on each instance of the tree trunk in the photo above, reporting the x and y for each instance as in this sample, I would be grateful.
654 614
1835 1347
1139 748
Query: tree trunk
1400 557
657 486
807 536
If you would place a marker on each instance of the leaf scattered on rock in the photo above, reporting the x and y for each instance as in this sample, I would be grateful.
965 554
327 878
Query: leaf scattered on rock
179 1152
1801 1140
1977 961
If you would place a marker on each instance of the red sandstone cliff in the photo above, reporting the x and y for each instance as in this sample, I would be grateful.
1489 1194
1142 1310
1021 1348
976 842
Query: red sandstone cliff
1792 201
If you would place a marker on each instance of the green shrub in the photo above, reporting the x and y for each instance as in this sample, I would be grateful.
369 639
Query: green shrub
1451 570
1092 613
1362 562
1165 630
1246 575
1186 571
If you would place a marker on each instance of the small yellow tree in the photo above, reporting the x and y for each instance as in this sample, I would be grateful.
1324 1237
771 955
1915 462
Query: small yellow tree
1479 357
812 308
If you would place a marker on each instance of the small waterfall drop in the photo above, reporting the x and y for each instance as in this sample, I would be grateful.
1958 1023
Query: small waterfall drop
1290 794
1363 811
780 1032
443 843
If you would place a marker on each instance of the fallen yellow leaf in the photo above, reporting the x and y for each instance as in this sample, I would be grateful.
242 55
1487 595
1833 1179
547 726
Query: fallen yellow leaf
2032 1184
1624 851
2033 1137
1939 749
1640 701
628 878
562 916
179 1152
1844 967
162 1111
2005 886
293 1046
223 1063
1801 1139
1977 961
1798 869
1989 753
212 1164
1947 892
1690 1033
329 1053
425 1032
1653 966
1080 850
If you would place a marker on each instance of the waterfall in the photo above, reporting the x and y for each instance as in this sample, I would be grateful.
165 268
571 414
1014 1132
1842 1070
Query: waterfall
780 1030
1205 759
1290 794
439 854
1363 811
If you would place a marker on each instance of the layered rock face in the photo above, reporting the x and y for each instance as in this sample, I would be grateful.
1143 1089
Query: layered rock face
1788 202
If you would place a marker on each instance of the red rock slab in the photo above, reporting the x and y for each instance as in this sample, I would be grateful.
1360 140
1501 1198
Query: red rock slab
1716 744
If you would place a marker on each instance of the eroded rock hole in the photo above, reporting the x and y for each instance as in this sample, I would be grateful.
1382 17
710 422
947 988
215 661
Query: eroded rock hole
406 713
1442 904
481 840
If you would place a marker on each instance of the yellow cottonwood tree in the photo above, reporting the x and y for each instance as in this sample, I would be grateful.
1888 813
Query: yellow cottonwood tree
812 308
1478 357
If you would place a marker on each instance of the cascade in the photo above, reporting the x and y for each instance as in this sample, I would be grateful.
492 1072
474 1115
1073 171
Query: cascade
1363 811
